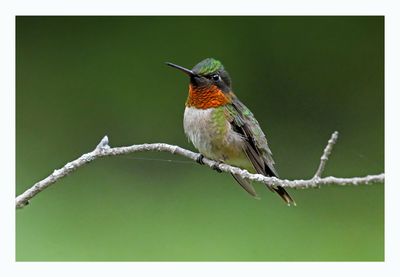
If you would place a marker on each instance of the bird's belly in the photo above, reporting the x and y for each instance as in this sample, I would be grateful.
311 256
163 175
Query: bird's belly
213 136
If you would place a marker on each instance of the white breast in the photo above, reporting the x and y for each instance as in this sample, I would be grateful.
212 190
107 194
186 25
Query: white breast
197 125
202 132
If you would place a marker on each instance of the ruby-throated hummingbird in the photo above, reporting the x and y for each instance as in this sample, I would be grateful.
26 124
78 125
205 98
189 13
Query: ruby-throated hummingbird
222 128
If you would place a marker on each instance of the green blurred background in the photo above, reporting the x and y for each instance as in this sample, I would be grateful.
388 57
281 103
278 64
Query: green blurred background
80 78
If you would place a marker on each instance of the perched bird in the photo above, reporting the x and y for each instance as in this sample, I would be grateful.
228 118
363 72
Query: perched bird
222 128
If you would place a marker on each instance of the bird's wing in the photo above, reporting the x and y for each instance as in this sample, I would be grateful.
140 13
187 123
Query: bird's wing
246 185
257 150
243 121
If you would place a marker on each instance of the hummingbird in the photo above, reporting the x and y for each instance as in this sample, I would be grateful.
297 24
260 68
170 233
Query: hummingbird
222 128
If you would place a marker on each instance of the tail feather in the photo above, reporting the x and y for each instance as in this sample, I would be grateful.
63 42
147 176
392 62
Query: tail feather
248 187
284 195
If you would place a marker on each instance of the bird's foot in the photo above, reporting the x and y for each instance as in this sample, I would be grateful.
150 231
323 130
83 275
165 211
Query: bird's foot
199 159
216 167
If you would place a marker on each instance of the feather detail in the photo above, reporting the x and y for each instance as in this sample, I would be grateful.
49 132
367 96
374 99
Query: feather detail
256 145
206 97
246 185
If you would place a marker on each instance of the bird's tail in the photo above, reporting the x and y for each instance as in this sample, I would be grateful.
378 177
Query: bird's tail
284 195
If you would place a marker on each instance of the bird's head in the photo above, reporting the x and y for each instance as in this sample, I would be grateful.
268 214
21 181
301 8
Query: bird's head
210 84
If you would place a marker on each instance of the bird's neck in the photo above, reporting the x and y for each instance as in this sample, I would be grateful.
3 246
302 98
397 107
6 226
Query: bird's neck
206 97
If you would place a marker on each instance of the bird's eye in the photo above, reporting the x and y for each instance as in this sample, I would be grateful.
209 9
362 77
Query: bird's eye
215 77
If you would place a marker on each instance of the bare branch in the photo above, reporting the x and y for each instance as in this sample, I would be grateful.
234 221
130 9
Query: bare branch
103 150
325 155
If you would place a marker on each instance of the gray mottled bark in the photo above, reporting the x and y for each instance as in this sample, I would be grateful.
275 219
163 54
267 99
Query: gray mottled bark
103 149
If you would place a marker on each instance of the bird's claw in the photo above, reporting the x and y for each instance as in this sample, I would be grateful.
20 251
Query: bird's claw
216 167
199 159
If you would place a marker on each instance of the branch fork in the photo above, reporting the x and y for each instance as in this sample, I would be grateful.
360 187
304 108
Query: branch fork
103 149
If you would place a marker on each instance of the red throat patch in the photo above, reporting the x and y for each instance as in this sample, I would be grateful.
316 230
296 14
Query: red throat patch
206 97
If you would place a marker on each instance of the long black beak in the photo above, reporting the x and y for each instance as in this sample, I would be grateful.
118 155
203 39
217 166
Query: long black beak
188 72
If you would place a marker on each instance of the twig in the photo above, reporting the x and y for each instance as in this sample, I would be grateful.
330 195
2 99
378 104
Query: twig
103 149
325 155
